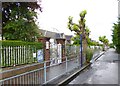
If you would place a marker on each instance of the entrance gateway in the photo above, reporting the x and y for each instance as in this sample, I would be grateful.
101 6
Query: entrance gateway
57 51
55 54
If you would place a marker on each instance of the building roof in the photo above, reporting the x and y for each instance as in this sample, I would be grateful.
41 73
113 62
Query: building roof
55 35
51 34
48 33
68 37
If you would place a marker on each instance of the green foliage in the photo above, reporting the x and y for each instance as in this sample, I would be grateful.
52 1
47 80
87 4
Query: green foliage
82 22
18 52
118 48
11 8
116 35
19 21
70 18
111 45
89 54
75 27
83 13
78 28
87 30
76 40
70 22
104 40
14 43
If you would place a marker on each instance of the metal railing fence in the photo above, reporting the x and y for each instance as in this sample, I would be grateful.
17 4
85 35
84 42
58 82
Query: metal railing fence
48 72
32 77
43 75
12 56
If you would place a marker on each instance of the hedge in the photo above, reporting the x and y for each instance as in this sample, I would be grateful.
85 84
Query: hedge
14 43
18 52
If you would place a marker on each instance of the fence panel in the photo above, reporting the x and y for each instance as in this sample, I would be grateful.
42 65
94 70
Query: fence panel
72 51
32 77
12 56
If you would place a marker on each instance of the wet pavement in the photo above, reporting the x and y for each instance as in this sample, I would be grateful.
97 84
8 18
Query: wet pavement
61 69
103 71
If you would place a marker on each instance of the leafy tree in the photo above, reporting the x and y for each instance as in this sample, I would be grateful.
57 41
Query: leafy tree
94 43
76 38
18 19
104 40
116 35
79 29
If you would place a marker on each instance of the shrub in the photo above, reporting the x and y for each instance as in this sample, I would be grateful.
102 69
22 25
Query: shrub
118 48
111 45
89 54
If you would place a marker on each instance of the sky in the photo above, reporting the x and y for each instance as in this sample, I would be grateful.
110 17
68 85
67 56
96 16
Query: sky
101 14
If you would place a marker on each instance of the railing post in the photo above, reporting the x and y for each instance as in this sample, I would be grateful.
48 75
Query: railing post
66 65
1 55
45 72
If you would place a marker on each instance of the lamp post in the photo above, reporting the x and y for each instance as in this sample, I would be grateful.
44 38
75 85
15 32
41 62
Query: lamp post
81 49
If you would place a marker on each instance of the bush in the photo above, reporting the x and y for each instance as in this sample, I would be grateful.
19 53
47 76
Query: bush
118 48
111 45
89 54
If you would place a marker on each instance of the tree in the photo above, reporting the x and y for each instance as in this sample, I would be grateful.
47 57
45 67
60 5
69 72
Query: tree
116 35
76 38
18 20
104 40
79 29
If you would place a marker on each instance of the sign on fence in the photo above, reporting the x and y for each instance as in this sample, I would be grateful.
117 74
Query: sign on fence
34 55
40 55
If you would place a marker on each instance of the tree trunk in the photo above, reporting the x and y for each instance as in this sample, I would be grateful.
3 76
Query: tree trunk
84 49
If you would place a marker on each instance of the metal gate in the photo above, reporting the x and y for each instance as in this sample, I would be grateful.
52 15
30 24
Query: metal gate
55 54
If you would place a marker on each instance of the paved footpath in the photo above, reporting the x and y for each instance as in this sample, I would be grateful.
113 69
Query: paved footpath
103 71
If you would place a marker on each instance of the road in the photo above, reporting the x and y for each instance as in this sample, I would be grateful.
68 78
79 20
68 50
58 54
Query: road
104 71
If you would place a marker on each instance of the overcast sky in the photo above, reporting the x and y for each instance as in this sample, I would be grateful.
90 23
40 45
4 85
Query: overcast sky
101 14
